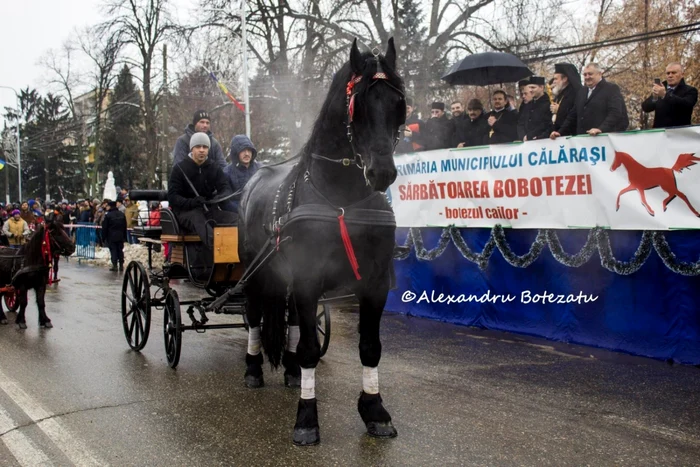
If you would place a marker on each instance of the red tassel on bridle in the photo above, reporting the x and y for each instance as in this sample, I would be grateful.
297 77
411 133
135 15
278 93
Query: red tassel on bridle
348 245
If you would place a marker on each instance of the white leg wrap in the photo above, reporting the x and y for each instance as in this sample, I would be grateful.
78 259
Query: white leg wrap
293 338
254 341
370 380
308 383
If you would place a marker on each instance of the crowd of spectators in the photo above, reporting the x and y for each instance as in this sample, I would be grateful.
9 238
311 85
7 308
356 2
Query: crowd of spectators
562 106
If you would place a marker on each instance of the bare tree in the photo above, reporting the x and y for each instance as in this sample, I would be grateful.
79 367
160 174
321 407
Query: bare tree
144 25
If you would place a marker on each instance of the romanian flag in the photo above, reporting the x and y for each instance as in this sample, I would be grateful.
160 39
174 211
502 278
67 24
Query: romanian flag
225 90
2 164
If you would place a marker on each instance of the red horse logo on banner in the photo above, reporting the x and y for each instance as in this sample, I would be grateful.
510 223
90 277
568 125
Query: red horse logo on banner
645 178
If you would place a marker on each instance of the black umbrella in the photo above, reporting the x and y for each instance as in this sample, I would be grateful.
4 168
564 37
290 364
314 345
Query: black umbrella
487 68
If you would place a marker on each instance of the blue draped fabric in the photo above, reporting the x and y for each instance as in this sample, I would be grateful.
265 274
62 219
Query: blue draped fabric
653 312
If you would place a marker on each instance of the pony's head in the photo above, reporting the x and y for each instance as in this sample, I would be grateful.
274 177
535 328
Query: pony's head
376 107
60 241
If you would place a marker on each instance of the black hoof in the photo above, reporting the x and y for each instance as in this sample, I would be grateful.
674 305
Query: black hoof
254 382
306 436
292 381
22 325
46 325
381 430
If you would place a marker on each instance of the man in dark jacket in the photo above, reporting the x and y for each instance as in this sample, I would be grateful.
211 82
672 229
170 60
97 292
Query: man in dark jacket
673 100
242 167
114 234
535 118
438 130
503 123
472 130
411 132
599 107
193 182
567 82
200 124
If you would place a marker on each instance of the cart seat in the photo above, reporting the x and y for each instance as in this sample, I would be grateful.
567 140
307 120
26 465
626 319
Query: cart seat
144 231
172 232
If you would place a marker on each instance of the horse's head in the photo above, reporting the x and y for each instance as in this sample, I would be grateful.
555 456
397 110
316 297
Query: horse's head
60 241
617 161
376 108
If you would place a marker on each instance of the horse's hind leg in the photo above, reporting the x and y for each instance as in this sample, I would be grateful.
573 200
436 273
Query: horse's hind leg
376 418
292 370
685 198
20 319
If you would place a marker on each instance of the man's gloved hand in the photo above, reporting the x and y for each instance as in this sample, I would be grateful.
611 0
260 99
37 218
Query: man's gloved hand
197 202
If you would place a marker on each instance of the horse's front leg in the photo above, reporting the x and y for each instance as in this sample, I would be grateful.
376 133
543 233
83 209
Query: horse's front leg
622 192
644 202
44 320
3 318
253 357
20 320
306 429
376 418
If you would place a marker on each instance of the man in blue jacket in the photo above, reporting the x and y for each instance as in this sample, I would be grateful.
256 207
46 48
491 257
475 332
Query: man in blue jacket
200 124
243 165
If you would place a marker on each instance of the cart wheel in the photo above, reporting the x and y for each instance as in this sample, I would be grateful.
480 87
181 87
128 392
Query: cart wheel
136 306
172 328
11 300
323 326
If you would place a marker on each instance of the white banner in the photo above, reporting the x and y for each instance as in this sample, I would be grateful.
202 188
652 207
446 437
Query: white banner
573 182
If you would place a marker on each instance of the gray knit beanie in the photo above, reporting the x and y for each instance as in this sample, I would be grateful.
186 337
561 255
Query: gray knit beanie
199 139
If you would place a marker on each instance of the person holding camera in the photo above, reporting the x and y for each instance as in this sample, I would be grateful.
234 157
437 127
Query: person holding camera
671 101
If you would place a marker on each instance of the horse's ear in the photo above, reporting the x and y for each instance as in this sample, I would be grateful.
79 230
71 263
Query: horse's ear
355 59
390 55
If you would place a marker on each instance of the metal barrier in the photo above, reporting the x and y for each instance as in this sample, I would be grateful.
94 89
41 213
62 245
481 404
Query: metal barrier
85 240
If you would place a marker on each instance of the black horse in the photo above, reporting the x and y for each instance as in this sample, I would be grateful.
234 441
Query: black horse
28 267
333 227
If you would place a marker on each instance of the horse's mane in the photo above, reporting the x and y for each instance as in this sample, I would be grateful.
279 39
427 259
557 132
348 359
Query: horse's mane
32 249
333 114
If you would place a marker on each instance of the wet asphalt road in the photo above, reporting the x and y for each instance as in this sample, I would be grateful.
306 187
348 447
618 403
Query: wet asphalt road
77 395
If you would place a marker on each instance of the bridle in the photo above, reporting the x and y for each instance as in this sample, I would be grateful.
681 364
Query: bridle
379 76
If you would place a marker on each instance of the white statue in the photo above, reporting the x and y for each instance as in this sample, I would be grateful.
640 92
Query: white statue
110 192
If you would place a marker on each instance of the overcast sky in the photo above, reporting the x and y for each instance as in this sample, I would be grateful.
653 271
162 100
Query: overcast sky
29 28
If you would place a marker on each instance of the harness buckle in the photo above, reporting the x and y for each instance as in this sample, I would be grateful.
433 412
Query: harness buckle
346 162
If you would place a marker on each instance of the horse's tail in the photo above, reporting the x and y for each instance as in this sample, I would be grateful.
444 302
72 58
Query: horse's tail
273 334
684 161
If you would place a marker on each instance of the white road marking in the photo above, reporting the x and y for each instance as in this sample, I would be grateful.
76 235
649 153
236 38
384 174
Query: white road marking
75 450
19 445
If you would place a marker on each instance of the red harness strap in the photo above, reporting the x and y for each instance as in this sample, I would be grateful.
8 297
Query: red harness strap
348 246
351 95
46 252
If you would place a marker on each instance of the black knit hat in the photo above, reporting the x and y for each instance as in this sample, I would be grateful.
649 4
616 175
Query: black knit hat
199 115
409 101
438 106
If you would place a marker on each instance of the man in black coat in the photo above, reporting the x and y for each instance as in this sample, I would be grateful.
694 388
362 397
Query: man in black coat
114 234
535 119
673 100
438 129
567 83
599 107
503 123
200 124
193 182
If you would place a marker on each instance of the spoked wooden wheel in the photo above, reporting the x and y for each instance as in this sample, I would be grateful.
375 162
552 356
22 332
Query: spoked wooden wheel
11 300
136 306
172 328
323 326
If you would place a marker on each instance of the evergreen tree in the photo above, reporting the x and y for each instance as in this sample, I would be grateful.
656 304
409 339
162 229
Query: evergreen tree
123 145
410 38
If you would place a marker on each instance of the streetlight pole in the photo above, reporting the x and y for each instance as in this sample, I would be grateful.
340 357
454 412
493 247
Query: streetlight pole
19 157
245 68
